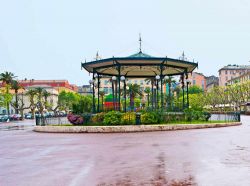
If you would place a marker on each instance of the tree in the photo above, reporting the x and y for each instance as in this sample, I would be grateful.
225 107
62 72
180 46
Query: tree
102 94
134 90
32 95
194 89
83 105
66 100
169 81
147 91
46 95
16 87
7 78
40 102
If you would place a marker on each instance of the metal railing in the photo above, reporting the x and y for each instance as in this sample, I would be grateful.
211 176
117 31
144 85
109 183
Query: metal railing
132 118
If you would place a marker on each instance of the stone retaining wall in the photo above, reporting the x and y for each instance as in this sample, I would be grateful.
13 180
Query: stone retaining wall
128 128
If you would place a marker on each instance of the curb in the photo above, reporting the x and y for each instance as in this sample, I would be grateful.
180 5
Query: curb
129 128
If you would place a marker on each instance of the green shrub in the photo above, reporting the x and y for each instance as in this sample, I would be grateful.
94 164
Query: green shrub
112 118
128 118
191 114
98 118
149 118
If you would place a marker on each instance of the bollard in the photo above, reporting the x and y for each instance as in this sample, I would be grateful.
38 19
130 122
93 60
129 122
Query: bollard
138 118
37 120
238 116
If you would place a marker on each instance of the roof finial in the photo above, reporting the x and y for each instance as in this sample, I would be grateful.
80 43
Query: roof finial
97 56
183 57
140 42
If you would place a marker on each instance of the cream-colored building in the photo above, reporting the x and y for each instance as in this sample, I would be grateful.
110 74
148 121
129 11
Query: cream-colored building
106 84
240 79
231 72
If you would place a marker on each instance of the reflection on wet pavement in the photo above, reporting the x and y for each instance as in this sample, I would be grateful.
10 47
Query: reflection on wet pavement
219 156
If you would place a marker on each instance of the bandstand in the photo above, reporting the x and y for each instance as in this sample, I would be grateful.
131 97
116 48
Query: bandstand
139 65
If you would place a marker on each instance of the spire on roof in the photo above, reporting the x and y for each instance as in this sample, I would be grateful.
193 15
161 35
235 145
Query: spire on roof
97 56
183 57
140 43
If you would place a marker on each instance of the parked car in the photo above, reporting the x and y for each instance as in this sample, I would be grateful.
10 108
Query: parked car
4 118
28 116
15 117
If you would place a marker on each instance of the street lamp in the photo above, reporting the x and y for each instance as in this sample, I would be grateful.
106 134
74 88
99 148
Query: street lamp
154 96
157 77
124 90
113 91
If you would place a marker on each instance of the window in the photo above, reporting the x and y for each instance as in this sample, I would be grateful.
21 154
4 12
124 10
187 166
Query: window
106 82
141 82
226 78
135 81
226 72
194 82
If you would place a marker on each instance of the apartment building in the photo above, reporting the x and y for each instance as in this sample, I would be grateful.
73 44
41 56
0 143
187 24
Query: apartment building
240 79
197 79
231 72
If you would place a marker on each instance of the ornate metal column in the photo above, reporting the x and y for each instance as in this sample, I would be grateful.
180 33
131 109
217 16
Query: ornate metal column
157 90
113 79
93 92
119 88
98 93
187 81
152 93
161 77
183 91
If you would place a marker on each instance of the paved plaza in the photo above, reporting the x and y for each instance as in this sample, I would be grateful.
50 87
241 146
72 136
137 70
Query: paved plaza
219 156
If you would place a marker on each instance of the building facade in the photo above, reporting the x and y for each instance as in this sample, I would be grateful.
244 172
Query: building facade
59 85
240 79
198 79
231 72
85 90
54 87
211 82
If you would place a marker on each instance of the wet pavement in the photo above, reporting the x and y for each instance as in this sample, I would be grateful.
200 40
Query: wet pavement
219 156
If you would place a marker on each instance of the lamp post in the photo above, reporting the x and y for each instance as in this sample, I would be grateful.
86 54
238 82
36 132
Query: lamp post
124 91
113 91
183 91
157 89
154 97
97 76
91 82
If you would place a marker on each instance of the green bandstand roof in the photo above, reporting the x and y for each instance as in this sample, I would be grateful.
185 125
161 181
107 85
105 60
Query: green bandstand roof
139 65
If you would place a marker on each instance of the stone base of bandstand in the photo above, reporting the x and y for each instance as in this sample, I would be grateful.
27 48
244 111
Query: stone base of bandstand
129 128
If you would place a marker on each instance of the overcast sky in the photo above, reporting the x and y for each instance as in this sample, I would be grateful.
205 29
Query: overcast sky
48 39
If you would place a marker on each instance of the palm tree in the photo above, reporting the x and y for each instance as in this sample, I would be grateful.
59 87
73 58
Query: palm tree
32 94
152 81
16 87
147 91
7 78
102 94
134 90
169 80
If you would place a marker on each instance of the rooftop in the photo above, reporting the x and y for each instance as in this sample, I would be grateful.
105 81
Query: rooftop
235 67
